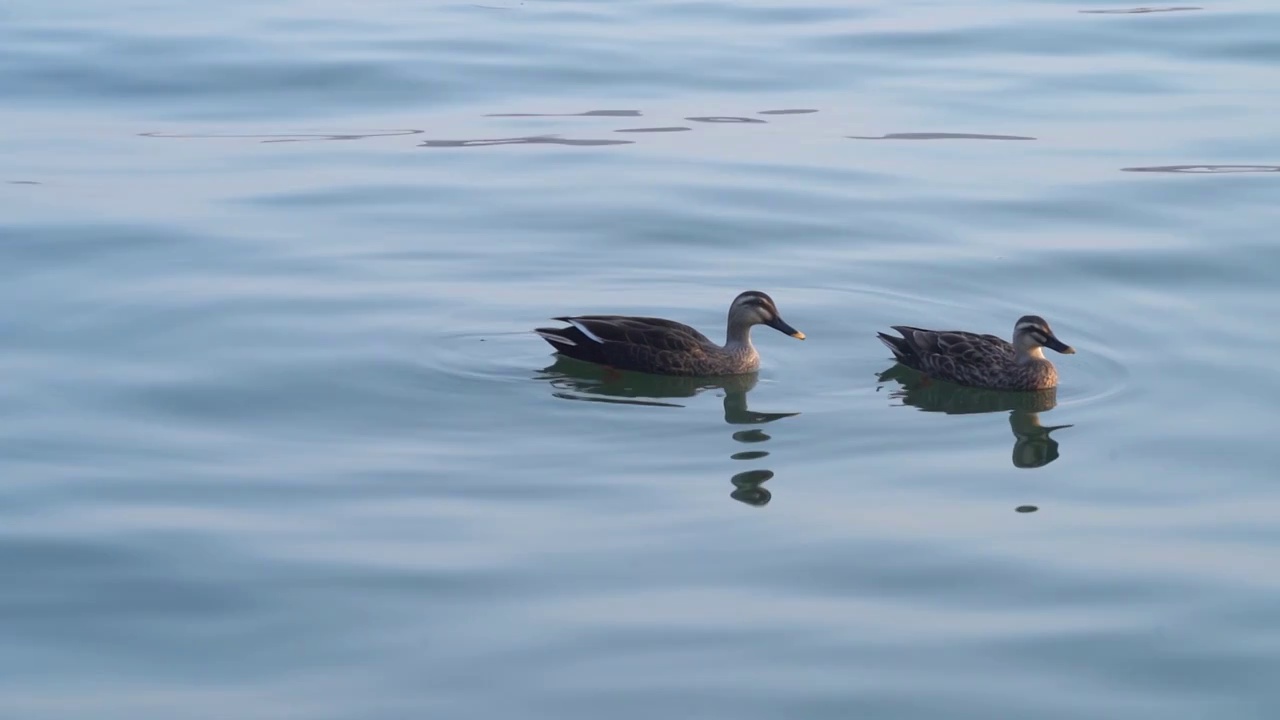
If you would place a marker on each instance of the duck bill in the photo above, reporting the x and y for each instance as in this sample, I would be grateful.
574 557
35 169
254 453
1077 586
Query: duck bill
1054 343
781 326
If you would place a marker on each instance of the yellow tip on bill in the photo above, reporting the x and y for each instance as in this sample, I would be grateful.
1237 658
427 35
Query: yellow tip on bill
797 335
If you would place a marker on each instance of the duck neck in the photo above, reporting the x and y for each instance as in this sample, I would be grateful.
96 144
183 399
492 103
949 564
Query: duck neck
738 338
1026 356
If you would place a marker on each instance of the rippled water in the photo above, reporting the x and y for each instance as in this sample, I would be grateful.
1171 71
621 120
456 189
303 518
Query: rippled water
276 441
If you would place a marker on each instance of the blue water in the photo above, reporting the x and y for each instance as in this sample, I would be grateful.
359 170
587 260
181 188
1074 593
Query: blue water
275 441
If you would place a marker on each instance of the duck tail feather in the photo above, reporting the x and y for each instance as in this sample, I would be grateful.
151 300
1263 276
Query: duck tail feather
898 346
555 337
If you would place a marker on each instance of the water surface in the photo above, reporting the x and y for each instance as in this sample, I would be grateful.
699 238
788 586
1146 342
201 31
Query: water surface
276 441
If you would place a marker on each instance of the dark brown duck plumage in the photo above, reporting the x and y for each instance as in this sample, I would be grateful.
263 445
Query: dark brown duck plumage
983 361
666 347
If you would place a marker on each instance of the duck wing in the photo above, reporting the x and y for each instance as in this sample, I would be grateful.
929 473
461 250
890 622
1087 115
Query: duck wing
954 355
628 343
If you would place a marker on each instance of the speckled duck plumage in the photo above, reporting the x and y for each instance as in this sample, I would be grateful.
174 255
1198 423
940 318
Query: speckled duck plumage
666 347
984 361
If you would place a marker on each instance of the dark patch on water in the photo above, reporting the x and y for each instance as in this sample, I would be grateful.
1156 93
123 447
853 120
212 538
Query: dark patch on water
1205 169
673 128
290 137
724 119
589 113
939 136
1138 11
747 487
531 140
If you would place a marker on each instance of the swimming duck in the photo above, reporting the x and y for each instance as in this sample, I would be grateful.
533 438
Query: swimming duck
666 347
984 361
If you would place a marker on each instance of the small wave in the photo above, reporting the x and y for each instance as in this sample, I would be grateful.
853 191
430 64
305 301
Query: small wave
724 119
501 357
588 113
529 140
939 136
674 128
1138 11
1205 169
289 137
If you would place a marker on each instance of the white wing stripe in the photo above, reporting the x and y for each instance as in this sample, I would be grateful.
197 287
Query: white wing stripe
555 338
585 331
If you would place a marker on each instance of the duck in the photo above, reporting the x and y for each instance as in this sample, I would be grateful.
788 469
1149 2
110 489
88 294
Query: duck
983 361
666 347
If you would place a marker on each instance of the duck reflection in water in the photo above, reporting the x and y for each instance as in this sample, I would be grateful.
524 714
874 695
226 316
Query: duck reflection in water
1032 446
577 380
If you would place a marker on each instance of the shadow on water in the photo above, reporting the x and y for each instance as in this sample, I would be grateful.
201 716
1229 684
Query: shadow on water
1032 445
576 380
